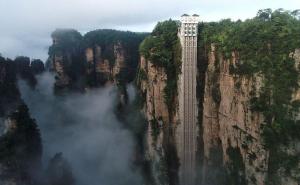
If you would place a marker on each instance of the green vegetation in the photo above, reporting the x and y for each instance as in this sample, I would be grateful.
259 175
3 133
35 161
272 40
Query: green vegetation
264 45
162 48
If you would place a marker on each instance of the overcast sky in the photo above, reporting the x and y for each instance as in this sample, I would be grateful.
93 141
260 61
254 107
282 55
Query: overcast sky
26 25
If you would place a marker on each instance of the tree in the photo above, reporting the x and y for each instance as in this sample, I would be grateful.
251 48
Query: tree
264 14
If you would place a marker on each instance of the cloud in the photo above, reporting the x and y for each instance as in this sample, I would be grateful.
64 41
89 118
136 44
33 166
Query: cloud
85 128
36 19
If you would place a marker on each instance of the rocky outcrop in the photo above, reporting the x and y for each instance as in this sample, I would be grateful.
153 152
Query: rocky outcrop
120 59
62 78
152 81
65 58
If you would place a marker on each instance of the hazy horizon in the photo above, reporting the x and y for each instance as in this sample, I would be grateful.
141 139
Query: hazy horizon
26 25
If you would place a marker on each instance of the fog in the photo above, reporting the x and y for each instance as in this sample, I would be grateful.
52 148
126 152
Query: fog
85 129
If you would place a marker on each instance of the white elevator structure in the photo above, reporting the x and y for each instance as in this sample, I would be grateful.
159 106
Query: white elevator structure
187 128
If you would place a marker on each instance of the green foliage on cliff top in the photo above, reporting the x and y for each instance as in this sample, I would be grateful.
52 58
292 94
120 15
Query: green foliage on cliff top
264 45
162 48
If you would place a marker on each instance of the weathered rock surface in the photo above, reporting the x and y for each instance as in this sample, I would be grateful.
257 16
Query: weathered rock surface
228 121
153 89
106 71
161 150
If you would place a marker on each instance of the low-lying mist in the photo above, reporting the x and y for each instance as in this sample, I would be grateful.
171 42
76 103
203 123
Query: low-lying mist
85 129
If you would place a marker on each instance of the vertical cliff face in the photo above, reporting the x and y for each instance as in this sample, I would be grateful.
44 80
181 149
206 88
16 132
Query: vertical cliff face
230 129
234 145
157 78
103 69
250 109
152 84
111 56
